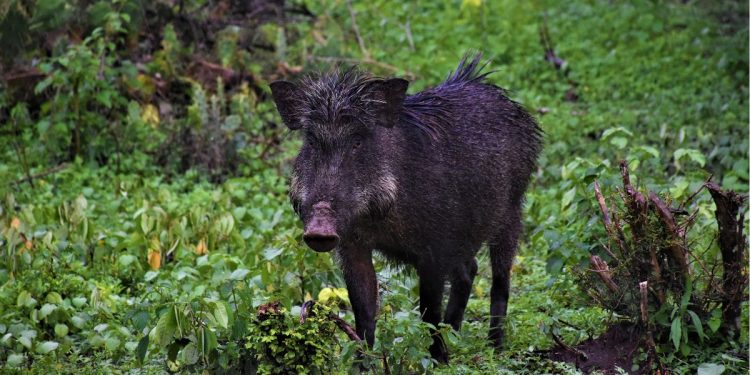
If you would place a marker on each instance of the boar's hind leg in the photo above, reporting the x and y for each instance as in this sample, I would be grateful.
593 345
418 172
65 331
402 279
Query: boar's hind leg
362 285
461 281
502 251
431 285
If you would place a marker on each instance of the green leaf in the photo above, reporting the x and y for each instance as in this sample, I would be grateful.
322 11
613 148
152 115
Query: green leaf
697 324
190 354
47 309
16 360
25 299
46 347
54 298
140 320
112 343
141 349
710 369
619 142
79 301
694 155
126 259
77 321
239 274
25 341
61 330
568 197
271 253
220 314
676 332
165 329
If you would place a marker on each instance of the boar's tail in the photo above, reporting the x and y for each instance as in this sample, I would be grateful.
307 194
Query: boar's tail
469 70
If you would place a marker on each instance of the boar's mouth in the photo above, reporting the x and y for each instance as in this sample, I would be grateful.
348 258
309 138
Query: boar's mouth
320 232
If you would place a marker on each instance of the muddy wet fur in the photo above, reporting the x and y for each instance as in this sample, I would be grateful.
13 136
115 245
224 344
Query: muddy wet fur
424 179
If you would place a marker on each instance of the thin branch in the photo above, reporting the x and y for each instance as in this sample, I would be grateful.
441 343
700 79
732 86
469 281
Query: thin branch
675 247
409 38
341 323
602 269
360 41
52 170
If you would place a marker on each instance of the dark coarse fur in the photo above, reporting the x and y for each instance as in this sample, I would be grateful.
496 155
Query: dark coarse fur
424 179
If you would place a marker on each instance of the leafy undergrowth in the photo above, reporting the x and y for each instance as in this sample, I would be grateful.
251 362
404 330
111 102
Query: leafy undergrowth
84 289
123 259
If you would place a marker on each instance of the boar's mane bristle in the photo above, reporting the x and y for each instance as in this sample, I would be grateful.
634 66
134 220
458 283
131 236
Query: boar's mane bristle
468 71
430 110
339 92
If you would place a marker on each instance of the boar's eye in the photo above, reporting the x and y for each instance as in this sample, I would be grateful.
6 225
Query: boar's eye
356 141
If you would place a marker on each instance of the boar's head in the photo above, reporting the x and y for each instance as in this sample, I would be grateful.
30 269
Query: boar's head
343 172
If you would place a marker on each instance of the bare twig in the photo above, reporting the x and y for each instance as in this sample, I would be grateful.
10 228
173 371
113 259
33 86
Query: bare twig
602 205
690 198
602 269
344 326
675 242
52 170
549 50
409 38
360 41
341 323
608 222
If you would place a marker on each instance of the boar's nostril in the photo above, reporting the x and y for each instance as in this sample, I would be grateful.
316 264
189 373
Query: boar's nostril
321 242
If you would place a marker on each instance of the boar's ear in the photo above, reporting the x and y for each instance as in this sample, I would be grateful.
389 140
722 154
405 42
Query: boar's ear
389 99
285 94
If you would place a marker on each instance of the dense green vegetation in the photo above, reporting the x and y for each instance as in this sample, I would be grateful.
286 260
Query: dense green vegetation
144 218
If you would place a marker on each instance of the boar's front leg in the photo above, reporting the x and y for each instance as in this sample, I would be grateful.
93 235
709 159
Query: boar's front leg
431 286
362 285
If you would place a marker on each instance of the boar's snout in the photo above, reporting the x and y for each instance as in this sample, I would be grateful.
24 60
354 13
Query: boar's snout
320 231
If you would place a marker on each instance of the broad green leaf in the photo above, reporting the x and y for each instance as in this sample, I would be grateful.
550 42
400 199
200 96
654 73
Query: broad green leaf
16 360
46 347
239 274
112 343
25 341
141 349
77 321
710 369
140 320
568 197
697 324
25 299
165 329
79 301
46 309
220 314
54 298
271 253
61 330
190 354
676 332
126 260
